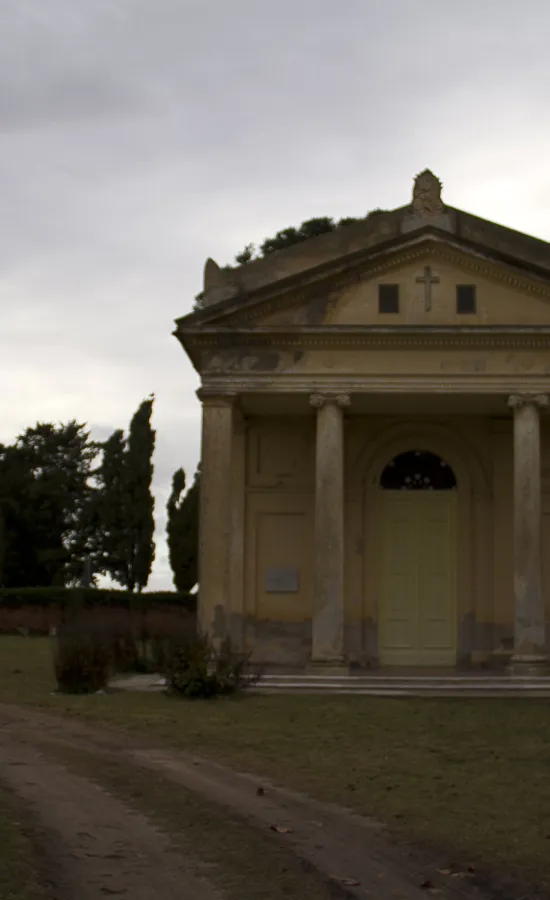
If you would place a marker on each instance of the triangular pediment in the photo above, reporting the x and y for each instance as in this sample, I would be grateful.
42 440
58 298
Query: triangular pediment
346 293
470 306
304 278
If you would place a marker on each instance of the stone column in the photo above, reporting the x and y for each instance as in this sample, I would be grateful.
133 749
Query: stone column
328 614
236 552
529 616
215 515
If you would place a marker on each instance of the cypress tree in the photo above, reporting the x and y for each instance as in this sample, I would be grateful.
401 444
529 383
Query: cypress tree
126 548
140 503
110 512
182 530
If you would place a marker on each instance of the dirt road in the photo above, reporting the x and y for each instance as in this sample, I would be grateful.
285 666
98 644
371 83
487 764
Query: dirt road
99 844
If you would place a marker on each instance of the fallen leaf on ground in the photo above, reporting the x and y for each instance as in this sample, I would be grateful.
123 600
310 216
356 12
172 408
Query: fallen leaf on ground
427 885
280 829
260 792
347 882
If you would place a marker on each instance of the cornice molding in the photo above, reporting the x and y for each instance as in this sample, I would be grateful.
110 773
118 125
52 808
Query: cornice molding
401 338
456 383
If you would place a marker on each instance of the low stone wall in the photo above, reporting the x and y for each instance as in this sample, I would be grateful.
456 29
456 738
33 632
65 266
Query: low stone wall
36 619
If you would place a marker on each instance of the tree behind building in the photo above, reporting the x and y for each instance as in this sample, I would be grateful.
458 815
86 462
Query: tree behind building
182 530
125 511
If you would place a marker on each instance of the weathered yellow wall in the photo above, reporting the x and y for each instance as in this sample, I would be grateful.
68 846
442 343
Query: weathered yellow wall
279 532
380 360
498 302
393 362
280 485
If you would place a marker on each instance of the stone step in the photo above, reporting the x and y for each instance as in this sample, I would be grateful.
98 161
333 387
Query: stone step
373 692
399 679
399 687
376 685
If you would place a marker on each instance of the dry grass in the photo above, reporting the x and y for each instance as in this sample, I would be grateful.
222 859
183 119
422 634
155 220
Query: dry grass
471 775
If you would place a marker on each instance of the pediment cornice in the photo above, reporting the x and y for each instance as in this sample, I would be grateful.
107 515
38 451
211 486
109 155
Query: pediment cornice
429 249
372 337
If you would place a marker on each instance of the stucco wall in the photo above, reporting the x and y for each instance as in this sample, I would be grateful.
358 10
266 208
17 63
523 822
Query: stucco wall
279 528
280 473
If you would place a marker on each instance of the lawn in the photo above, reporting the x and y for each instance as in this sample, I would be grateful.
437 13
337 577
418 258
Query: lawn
471 775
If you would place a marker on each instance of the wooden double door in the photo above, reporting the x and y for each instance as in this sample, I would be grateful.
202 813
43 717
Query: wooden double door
417 625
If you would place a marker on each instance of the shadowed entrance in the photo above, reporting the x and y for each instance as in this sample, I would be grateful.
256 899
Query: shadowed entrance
418 585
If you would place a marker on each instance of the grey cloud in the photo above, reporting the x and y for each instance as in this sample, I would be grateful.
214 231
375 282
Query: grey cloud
139 137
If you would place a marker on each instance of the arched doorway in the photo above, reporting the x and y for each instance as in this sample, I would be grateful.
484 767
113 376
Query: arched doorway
418 578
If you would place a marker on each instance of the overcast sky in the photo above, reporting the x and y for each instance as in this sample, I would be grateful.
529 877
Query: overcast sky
138 137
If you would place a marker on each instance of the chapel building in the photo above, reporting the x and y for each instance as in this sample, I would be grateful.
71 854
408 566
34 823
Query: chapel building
375 470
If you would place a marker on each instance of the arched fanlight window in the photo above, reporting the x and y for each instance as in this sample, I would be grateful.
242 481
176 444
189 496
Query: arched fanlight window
418 470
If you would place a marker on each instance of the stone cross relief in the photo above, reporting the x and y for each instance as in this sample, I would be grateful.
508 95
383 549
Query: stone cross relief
427 279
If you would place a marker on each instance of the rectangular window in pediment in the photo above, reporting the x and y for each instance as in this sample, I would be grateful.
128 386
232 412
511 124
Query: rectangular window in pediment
466 299
388 298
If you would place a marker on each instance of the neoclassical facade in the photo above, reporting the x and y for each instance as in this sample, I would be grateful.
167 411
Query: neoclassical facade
375 483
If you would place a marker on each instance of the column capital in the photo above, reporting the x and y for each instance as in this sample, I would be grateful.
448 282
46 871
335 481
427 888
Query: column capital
320 400
213 397
517 401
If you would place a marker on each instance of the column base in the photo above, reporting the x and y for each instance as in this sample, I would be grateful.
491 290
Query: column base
328 667
529 666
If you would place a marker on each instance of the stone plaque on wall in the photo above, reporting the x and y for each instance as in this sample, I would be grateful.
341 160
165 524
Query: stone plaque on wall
281 581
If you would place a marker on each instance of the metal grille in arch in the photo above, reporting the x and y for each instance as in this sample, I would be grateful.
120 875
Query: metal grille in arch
418 470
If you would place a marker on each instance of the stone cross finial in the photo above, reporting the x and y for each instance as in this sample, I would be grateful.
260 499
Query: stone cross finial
427 194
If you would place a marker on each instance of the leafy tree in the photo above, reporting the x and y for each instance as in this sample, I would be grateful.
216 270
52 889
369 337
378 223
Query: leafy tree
348 220
315 227
287 237
45 493
15 485
283 239
246 255
125 548
183 530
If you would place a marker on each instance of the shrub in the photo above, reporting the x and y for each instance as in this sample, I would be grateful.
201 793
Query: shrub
63 598
82 660
194 668
231 669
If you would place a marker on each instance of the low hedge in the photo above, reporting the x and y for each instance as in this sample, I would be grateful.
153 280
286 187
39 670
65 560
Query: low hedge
15 598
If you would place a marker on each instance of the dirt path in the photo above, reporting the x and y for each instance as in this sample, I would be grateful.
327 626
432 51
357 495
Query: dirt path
100 847
353 853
